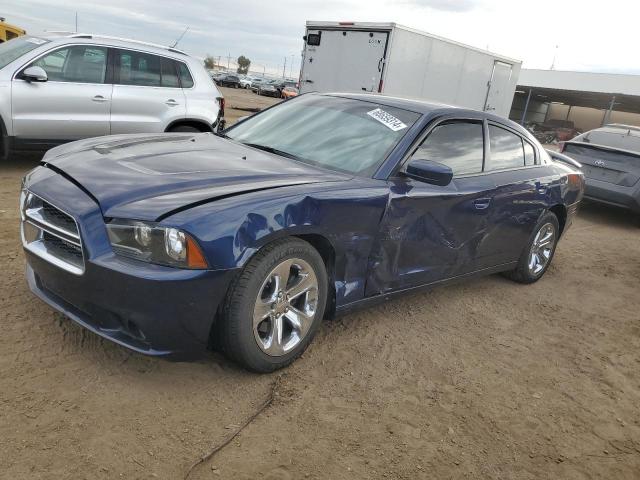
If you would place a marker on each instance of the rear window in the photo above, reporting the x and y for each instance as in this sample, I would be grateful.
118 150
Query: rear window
625 139
186 80
10 51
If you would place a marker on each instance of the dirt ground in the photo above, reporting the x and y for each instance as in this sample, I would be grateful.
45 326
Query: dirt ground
488 379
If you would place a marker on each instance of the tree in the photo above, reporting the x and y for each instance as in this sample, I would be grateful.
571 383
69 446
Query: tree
209 62
243 64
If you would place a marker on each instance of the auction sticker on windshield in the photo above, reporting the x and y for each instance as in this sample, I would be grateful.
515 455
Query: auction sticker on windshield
387 119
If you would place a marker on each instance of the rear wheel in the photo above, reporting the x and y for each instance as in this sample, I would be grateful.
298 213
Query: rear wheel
538 253
275 306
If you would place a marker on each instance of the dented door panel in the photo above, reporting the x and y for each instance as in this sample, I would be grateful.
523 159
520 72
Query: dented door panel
429 233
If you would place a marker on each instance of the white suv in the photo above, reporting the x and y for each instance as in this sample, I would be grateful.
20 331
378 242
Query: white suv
55 89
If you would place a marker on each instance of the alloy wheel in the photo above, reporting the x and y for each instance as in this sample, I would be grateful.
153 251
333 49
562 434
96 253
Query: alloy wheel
542 249
285 308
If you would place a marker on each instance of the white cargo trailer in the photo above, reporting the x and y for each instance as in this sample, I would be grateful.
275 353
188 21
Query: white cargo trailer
400 61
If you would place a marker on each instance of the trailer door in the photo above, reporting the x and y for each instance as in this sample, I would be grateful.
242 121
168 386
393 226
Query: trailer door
498 85
343 61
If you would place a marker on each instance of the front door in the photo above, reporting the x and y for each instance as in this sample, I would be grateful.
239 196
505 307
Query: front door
343 61
73 103
430 233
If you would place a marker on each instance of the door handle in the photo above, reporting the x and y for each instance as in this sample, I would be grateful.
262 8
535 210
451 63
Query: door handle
482 203
99 99
171 102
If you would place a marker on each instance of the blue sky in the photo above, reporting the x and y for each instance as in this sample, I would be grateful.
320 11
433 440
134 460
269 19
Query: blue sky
269 31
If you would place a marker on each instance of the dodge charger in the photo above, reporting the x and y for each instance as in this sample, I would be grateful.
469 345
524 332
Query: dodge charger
244 241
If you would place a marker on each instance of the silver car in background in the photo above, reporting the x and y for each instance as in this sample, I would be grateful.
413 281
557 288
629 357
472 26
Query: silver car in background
610 158
59 88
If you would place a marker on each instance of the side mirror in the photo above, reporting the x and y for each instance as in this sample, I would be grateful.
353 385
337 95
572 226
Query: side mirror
429 172
35 74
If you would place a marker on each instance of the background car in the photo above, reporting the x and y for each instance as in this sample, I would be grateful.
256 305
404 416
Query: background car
610 158
268 90
368 197
55 89
289 92
228 80
9 32
245 81
256 83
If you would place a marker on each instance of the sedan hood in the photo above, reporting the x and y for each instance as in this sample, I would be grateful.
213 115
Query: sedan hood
148 177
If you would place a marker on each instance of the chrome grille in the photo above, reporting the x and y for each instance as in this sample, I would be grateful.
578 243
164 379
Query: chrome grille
51 233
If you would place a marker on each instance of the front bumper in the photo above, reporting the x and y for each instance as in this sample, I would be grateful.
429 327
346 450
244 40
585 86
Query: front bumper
612 194
152 309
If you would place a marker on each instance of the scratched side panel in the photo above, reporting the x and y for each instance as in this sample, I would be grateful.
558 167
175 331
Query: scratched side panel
347 214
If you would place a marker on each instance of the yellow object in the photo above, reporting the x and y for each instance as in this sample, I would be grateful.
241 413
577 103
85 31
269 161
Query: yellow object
7 32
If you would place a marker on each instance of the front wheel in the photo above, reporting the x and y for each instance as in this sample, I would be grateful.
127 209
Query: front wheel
275 306
539 251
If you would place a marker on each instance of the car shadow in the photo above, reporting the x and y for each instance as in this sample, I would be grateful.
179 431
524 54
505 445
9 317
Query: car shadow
599 213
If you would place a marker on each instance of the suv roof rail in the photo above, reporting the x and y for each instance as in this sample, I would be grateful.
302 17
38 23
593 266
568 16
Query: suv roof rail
129 40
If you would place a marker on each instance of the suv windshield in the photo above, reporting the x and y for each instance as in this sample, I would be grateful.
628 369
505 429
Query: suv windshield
341 134
14 49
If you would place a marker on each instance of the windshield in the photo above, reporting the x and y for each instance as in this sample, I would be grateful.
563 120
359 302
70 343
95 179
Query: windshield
337 133
14 49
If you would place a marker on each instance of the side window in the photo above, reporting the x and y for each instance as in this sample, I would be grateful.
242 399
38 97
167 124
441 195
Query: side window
77 64
506 149
185 77
460 145
11 35
169 73
136 68
529 154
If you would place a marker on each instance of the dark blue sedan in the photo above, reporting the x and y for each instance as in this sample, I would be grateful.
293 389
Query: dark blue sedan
173 243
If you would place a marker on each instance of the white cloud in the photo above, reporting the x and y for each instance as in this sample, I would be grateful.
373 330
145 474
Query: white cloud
266 31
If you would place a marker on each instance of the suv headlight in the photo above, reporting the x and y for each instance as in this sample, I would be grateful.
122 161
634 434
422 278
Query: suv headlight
154 243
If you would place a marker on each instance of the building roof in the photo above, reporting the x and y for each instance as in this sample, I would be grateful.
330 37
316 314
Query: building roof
582 89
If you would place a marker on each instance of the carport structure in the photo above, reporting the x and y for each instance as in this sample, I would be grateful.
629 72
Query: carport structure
588 99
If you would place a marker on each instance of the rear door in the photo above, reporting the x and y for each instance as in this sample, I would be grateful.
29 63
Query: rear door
73 103
522 188
343 60
498 85
146 95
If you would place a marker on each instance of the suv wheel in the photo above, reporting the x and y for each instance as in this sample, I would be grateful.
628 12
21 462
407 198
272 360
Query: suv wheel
184 128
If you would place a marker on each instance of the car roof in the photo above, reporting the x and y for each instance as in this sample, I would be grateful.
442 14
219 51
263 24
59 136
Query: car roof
415 105
66 37
430 109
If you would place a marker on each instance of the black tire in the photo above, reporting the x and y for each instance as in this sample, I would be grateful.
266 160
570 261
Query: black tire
184 129
237 338
522 273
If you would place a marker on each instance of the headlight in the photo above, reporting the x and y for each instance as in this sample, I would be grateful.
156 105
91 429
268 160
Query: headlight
154 243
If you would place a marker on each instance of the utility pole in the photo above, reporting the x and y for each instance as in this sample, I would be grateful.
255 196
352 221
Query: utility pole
553 63
76 22
284 68
291 67
228 62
